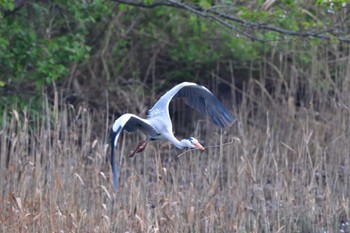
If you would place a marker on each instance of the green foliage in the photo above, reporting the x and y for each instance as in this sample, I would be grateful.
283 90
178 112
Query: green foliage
191 43
26 56
205 3
7 5
59 53
41 41
333 4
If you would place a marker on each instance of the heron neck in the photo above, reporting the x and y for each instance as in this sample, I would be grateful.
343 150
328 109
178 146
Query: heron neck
171 138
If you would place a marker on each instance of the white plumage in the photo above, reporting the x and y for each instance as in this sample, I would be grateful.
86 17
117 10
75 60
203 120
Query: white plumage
158 125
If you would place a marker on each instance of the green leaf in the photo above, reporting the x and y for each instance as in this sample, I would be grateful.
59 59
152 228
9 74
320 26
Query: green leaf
149 2
205 4
7 4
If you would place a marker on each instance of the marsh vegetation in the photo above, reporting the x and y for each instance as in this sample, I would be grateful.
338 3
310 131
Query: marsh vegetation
69 69
286 173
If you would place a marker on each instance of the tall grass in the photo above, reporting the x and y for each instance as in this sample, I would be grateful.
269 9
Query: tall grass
286 173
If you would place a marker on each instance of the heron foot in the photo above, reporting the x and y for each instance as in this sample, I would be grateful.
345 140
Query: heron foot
140 147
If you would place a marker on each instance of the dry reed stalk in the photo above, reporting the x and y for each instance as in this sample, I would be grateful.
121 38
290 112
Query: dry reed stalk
290 172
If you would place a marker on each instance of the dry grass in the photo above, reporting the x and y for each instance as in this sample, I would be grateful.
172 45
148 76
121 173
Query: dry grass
287 174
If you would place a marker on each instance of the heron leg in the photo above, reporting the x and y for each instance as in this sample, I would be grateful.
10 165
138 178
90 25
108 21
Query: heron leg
140 147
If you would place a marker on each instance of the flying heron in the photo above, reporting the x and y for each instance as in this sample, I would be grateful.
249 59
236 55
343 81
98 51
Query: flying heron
158 126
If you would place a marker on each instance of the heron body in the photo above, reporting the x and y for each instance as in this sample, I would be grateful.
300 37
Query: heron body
158 126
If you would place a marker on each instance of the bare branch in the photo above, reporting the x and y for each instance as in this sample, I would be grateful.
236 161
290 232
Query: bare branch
227 20
143 5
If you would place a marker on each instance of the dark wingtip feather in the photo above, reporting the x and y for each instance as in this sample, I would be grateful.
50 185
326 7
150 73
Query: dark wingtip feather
113 165
229 118
201 99
114 170
220 115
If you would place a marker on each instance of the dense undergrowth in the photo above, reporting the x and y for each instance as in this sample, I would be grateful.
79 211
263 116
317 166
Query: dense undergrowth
100 51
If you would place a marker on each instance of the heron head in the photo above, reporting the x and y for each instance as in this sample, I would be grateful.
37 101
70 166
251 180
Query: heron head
193 143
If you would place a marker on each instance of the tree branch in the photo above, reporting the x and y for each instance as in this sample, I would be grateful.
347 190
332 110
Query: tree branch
225 19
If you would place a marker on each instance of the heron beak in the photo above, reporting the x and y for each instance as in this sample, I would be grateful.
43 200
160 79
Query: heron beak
198 146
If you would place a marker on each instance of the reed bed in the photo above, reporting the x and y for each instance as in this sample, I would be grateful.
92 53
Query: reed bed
272 171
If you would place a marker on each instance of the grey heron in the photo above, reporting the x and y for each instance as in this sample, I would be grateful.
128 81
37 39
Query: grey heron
158 125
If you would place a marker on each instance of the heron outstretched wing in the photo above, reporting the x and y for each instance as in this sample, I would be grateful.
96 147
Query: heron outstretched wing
130 123
199 98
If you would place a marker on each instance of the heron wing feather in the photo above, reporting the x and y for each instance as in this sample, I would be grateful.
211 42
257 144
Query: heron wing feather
199 98
131 123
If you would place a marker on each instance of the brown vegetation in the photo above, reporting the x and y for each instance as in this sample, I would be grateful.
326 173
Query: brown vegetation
288 173
284 167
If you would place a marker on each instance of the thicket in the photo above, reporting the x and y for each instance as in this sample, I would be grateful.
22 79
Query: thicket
98 51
